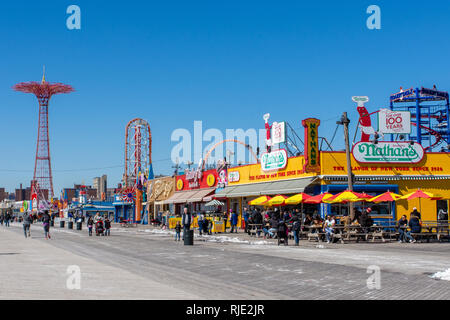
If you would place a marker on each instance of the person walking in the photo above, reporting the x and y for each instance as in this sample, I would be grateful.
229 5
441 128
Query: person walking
296 225
186 220
7 217
90 224
27 221
46 224
107 227
225 219
2 216
177 231
234 221
245 215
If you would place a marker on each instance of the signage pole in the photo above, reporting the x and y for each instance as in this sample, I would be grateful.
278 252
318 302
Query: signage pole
345 122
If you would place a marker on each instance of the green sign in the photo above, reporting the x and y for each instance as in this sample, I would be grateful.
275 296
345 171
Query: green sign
388 152
274 160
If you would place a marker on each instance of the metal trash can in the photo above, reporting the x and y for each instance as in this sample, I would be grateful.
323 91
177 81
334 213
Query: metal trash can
70 225
79 224
61 223
189 238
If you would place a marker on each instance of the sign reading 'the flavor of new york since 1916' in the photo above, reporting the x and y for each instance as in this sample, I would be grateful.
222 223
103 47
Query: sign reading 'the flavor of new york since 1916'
388 152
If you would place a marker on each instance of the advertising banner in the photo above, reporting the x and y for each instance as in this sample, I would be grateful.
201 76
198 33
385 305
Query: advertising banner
388 152
394 121
278 132
312 161
274 160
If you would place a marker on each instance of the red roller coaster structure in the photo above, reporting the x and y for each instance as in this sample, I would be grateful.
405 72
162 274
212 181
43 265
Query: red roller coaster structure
138 150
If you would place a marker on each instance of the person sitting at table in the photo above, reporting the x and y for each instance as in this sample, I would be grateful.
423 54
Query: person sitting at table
365 220
308 220
404 234
415 213
415 225
329 227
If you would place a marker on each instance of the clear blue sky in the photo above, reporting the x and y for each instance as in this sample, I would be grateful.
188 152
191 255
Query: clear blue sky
223 62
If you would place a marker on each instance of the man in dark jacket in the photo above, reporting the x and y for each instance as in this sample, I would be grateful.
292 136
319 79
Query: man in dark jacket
282 232
414 224
415 213
186 220
296 225
7 217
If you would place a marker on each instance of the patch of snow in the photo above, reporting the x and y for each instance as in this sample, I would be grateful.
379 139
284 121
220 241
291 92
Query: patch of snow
442 275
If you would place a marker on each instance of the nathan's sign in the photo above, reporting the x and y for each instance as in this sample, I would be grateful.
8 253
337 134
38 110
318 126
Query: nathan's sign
274 160
388 152
312 161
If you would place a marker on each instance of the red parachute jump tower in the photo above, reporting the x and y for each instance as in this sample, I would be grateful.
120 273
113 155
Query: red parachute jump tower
42 178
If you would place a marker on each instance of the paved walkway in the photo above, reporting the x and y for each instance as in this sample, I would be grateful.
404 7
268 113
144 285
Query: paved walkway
146 262
33 268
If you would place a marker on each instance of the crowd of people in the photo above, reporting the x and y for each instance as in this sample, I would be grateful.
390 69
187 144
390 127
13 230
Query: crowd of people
102 224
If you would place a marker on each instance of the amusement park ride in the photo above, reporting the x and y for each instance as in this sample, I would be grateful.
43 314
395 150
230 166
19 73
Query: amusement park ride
42 185
138 163
429 111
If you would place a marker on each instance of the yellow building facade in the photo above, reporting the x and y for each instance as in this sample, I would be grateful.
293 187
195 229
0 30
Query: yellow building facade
431 174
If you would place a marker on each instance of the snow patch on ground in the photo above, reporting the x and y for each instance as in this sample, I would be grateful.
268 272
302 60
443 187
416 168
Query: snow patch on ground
442 275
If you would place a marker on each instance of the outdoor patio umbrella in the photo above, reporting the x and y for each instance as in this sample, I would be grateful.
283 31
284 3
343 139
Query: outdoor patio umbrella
298 198
386 197
319 198
259 201
419 194
344 196
278 200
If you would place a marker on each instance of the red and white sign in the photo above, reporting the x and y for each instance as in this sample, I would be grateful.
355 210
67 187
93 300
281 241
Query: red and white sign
394 121
278 132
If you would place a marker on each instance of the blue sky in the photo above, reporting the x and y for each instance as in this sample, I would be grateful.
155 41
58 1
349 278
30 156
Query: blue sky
225 63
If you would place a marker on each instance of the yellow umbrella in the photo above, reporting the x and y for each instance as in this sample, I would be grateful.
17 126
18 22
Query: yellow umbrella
278 200
259 201
298 198
419 194
343 196
386 197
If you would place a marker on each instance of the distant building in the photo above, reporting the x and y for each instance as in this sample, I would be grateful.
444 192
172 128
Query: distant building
3 194
100 184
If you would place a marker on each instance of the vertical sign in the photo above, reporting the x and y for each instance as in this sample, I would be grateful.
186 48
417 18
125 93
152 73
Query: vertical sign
278 132
312 161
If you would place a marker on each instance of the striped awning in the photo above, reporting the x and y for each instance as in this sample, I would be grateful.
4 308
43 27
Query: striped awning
385 177
214 203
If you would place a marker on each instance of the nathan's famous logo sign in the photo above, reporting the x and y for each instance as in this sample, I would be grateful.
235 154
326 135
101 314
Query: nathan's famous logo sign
274 160
388 152
312 161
